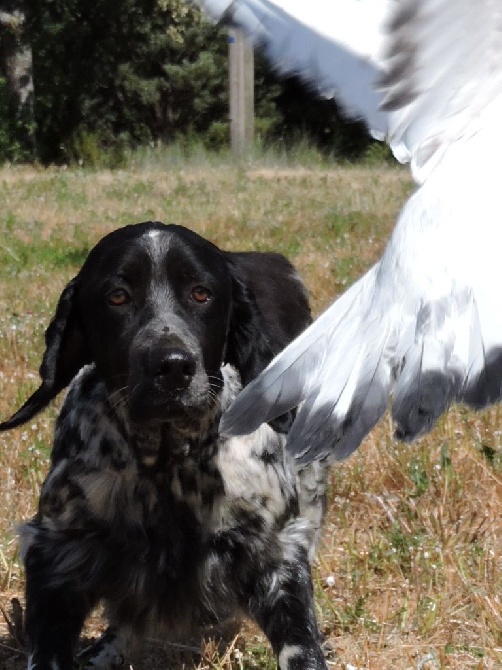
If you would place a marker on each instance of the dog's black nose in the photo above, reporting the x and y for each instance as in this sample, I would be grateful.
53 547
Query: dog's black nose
177 367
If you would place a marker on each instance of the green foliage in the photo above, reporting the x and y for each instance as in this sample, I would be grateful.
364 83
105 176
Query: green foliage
352 616
300 113
4 122
16 257
13 131
123 73
377 153
419 476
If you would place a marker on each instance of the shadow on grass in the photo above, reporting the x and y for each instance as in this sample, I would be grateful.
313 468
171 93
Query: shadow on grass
152 654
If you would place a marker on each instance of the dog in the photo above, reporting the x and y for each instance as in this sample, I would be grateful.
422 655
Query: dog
147 508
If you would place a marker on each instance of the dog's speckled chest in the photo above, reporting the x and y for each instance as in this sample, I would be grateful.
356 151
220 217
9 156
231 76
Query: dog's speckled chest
174 513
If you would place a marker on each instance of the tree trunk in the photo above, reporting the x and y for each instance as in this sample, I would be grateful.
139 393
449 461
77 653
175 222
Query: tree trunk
16 67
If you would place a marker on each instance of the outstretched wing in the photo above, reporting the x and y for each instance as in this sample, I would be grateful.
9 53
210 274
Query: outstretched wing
418 72
425 324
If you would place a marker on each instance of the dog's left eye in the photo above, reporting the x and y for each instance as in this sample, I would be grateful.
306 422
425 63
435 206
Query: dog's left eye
118 297
201 294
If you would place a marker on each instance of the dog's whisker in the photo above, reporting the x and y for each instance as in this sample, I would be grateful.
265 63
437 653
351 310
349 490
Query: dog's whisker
119 397
214 394
118 392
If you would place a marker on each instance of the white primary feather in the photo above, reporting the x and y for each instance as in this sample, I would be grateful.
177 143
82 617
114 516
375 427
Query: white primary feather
424 325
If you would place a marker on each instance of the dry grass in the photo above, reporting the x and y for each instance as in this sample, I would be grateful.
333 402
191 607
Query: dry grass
409 572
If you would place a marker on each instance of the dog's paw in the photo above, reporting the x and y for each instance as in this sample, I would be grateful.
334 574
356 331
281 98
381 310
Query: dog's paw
106 653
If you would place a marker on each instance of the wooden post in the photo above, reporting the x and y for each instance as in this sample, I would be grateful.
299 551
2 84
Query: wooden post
241 66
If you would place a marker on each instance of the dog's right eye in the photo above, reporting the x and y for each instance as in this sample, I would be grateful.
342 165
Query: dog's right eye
118 297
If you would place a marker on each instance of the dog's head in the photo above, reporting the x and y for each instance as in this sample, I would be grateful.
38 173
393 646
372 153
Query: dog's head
158 310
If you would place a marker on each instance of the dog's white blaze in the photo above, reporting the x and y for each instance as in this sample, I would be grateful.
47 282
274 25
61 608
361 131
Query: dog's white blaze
287 653
154 244
153 234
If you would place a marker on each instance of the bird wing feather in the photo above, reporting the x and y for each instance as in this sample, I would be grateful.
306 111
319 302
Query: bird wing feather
424 325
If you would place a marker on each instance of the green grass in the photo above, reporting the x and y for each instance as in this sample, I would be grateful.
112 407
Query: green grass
410 566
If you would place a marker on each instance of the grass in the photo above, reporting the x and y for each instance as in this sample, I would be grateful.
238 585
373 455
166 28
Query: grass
410 568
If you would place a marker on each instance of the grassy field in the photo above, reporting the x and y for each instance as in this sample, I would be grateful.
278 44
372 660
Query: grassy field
409 573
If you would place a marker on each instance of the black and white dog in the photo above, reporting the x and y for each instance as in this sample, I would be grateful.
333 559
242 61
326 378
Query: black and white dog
147 508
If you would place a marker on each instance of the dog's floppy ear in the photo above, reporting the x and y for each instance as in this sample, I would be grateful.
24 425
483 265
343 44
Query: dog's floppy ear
270 308
65 354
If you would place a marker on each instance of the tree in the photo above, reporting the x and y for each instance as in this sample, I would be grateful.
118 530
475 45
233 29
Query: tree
124 72
17 84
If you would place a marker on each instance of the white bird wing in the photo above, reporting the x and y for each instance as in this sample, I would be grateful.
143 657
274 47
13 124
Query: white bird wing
442 72
424 325
318 41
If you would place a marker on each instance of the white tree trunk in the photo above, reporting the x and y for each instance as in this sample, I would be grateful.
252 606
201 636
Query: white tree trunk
16 63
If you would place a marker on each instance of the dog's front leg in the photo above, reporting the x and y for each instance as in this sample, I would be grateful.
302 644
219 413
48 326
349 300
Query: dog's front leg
55 614
283 605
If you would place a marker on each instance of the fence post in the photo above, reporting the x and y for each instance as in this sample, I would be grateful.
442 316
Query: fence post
241 76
